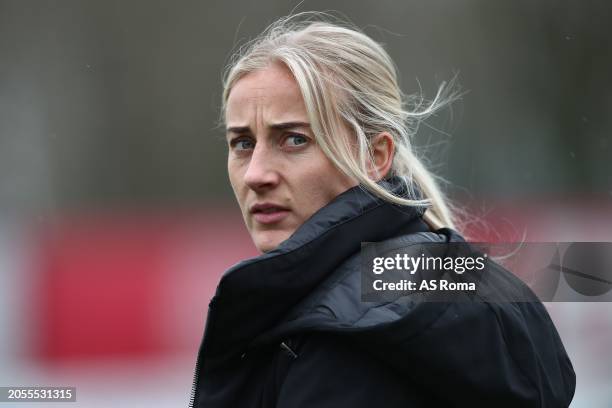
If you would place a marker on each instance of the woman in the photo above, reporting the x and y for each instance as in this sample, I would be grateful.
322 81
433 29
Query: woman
320 161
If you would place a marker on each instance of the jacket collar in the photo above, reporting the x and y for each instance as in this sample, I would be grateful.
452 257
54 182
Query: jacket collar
253 295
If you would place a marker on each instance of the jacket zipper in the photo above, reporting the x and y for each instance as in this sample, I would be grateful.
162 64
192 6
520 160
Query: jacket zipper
196 372
195 382
285 346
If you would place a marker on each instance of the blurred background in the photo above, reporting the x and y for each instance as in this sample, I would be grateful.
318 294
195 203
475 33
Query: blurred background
116 215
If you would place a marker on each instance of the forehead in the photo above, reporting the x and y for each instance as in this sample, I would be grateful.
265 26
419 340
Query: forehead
271 91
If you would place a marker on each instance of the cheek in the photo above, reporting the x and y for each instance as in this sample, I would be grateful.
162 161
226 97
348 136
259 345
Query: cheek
332 181
235 175
320 185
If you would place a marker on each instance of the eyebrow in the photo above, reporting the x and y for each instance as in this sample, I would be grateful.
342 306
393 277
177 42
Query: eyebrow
276 126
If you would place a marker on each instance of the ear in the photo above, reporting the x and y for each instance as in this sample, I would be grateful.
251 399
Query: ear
383 149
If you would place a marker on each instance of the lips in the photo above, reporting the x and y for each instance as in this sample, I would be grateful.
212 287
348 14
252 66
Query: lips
268 213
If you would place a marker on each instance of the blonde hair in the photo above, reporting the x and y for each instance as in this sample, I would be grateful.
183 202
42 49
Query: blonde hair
349 81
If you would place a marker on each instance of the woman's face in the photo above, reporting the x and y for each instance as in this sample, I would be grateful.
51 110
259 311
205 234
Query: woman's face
279 174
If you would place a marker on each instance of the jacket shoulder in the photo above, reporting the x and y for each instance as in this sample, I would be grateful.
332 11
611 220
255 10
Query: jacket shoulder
505 353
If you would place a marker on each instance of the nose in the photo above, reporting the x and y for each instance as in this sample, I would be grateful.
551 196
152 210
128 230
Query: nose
261 173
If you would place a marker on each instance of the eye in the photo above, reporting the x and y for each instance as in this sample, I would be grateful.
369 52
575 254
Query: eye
295 139
242 143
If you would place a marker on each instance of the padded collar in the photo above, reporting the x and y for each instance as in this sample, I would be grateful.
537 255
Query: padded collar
254 295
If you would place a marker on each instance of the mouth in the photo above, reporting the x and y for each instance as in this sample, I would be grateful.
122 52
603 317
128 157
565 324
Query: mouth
268 213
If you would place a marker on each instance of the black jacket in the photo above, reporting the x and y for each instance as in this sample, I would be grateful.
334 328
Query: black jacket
287 329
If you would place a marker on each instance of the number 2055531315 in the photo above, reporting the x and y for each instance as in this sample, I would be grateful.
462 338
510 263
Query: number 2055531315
37 394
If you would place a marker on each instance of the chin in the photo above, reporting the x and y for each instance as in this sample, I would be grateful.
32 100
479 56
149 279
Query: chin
266 241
